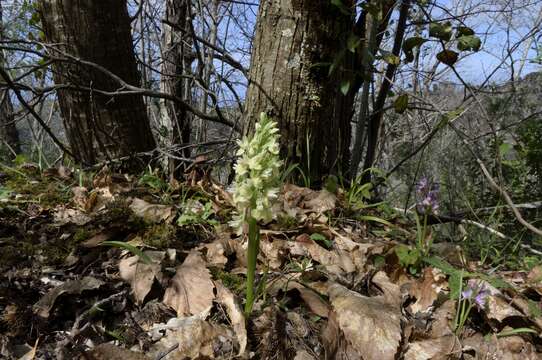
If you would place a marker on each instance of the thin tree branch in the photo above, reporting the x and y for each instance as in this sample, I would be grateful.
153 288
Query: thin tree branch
38 118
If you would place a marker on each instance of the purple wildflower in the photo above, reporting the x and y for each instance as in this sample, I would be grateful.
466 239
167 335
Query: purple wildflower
427 194
422 185
481 298
467 294
476 293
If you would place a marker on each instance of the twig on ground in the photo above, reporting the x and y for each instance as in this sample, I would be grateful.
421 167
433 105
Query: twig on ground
163 354
76 329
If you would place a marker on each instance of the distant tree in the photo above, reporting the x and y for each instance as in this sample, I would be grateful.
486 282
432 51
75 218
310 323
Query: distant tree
177 57
100 123
9 137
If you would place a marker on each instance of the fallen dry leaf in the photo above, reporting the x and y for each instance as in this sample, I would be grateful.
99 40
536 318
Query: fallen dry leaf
112 352
371 325
225 297
432 349
497 306
216 252
46 303
80 197
299 201
196 339
152 212
191 289
314 301
426 289
323 201
505 348
140 275
63 215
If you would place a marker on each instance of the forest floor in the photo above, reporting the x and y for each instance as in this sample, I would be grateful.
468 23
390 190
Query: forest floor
119 267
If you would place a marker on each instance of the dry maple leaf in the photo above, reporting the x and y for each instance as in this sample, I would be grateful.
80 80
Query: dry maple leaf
191 289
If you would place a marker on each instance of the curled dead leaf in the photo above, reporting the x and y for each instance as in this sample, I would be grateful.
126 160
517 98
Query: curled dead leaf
152 212
498 307
371 325
140 275
426 289
43 307
225 297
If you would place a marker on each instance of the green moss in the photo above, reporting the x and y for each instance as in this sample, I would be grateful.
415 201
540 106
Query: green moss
10 255
160 236
81 235
287 222
47 191
16 251
233 282
119 212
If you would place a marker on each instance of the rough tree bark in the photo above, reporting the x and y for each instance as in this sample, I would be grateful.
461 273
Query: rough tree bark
293 39
177 57
9 137
98 127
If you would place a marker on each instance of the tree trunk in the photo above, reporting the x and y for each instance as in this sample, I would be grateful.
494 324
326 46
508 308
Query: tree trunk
293 39
98 127
177 57
9 137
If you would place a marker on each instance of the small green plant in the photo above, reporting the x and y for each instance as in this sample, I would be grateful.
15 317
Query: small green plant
287 174
409 258
151 179
357 194
256 186
195 217
322 239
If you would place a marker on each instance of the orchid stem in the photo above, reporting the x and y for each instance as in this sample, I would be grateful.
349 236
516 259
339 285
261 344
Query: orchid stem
252 256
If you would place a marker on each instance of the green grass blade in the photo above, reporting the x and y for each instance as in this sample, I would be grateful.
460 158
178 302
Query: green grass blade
119 244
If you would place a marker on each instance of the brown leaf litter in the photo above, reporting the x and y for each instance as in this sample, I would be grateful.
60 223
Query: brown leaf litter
330 288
